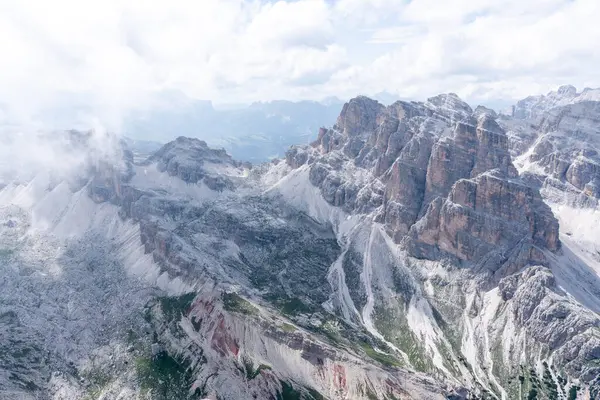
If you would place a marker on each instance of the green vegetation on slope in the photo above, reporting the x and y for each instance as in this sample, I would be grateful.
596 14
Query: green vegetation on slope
288 327
175 307
164 378
291 306
383 358
252 373
288 392
573 390
97 380
393 326
235 303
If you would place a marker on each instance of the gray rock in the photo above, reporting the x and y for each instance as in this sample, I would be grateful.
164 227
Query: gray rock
186 159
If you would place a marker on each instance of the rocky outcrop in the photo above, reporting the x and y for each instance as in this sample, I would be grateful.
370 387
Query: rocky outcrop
482 110
107 181
568 330
359 116
193 161
296 156
482 207
449 185
565 151
534 107
483 220
476 146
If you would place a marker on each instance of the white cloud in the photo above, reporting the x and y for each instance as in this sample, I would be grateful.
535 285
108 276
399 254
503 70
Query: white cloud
368 12
485 50
281 24
101 59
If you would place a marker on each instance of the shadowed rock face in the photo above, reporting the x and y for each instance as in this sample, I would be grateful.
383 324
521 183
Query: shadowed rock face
486 209
477 146
484 216
449 185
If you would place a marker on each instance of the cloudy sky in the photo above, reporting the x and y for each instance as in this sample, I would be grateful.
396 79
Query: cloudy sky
113 55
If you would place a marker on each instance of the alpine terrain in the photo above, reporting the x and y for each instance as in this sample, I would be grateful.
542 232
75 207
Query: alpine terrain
421 250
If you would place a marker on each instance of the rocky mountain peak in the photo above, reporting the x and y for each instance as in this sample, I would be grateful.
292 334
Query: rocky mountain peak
533 107
192 150
359 115
193 161
479 110
450 101
437 167
567 90
449 106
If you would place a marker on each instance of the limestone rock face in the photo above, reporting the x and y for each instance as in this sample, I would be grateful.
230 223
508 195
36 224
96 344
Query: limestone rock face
476 146
481 110
534 107
449 185
560 151
563 150
558 323
452 195
482 216
359 115
486 209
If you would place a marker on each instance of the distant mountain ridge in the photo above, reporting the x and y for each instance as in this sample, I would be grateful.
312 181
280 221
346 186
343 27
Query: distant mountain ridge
258 132
533 106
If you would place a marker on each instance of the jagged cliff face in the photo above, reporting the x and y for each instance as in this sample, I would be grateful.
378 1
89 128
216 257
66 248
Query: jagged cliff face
445 183
439 180
533 107
420 250
564 152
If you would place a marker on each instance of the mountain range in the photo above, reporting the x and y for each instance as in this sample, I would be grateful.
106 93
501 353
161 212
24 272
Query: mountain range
257 132
417 250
